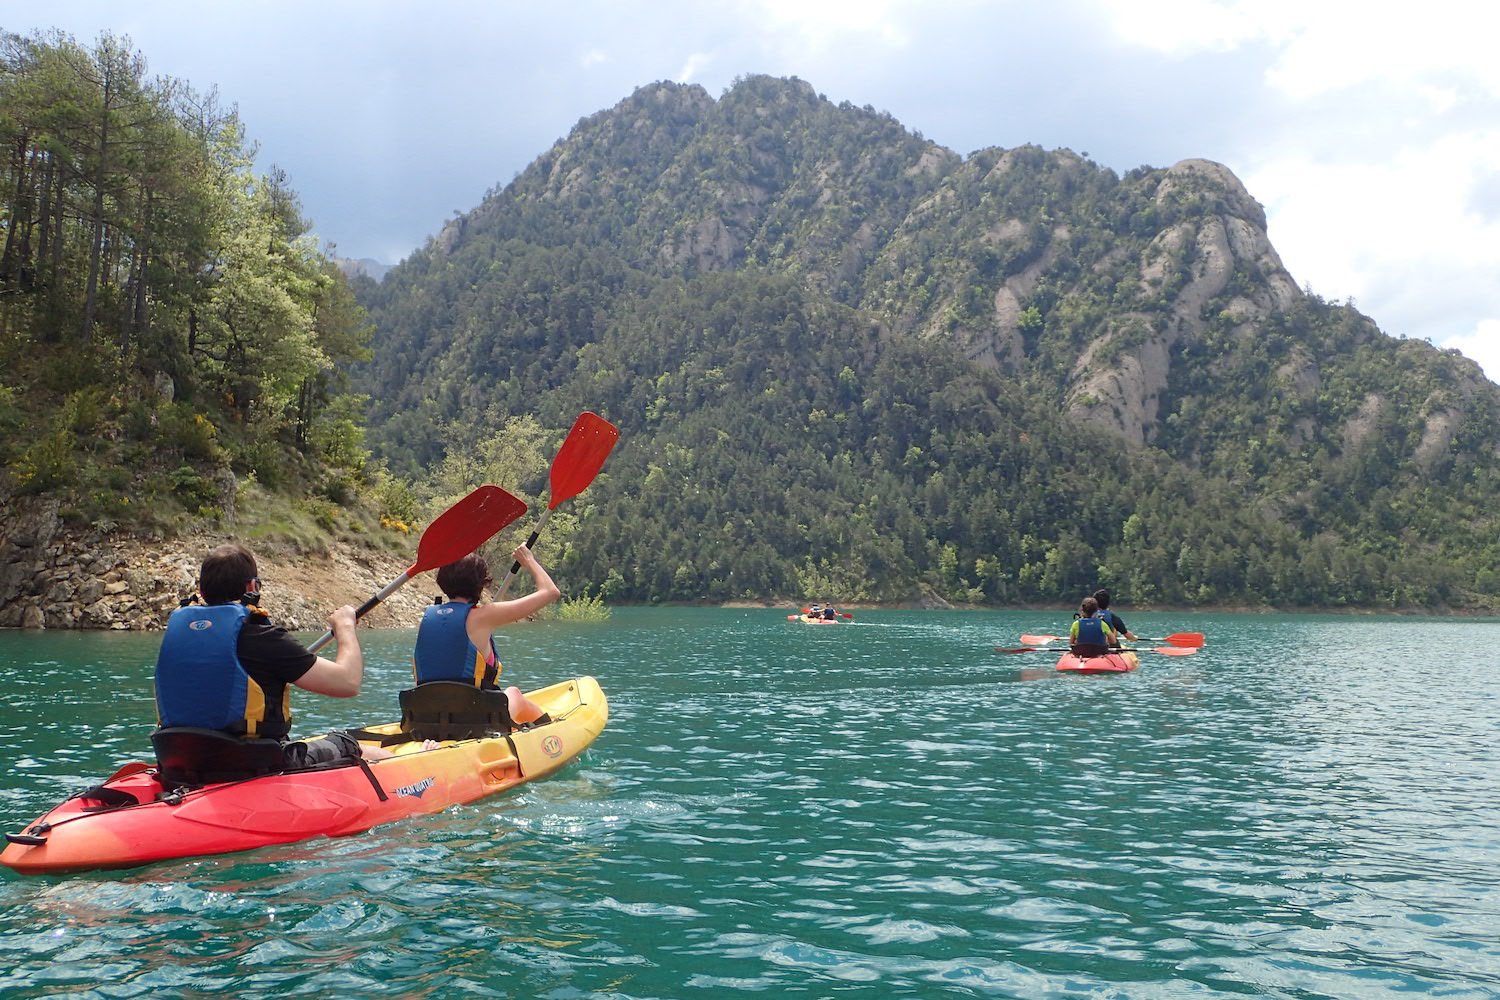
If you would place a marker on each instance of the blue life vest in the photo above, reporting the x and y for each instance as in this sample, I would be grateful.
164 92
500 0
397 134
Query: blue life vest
201 682
444 651
1092 632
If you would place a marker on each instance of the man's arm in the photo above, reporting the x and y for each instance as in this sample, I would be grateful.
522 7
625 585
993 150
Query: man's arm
342 676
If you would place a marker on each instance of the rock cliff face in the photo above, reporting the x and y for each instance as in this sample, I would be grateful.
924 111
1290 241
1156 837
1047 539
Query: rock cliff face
56 577
1123 394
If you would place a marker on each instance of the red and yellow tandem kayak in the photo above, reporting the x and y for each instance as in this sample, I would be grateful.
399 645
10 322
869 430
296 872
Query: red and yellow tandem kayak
156 824
1109 663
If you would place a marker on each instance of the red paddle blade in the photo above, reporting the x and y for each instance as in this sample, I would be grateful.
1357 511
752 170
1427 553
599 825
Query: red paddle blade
1033 640
581 456
464 527
1185 639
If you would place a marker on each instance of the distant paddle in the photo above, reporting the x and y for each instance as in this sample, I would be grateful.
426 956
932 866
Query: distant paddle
1163 650
1186 639
576 464
455 533
1192 640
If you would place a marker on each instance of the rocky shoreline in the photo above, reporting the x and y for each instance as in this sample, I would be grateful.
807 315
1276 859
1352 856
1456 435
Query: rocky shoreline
55 576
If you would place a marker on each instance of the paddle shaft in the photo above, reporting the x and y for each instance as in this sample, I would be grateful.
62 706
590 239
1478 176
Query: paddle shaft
1163 650
1185 639
515 567
453 534
365 608
574 467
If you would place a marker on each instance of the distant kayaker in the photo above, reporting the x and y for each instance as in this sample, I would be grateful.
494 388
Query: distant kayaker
223 665
1091 634
1101 598
455 641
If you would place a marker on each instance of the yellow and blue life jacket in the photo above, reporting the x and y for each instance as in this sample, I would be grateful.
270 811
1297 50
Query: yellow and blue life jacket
1091 636
444 651
200 681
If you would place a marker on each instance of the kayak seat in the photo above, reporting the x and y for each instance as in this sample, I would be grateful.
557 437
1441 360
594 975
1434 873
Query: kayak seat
454 710
187 755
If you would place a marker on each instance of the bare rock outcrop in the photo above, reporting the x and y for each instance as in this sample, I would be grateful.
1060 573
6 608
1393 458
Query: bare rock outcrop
1120 378
55 576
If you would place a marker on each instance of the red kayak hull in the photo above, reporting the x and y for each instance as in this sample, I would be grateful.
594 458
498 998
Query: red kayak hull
1110 663
77 835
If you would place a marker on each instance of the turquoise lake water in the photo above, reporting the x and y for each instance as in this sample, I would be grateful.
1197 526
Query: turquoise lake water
1309 807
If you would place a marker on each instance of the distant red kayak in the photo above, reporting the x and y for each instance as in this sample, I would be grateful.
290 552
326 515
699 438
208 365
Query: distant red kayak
1109 663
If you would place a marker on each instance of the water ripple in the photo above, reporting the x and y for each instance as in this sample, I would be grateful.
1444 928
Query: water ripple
866 811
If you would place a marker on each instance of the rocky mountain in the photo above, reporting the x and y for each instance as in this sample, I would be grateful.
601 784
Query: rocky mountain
363 267
1070 341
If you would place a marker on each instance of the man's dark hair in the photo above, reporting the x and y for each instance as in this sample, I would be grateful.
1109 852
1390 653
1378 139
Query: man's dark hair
226 574
464 579
1101 598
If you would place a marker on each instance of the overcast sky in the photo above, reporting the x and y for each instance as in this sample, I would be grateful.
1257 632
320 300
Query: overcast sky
1369 131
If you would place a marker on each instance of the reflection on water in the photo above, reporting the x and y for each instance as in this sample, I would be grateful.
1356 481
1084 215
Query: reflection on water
1306 808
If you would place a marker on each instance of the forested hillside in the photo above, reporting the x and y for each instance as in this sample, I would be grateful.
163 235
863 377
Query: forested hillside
170 333
850 364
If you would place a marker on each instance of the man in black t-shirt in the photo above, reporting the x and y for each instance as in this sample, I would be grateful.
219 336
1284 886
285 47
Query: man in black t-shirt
1101 598
273 659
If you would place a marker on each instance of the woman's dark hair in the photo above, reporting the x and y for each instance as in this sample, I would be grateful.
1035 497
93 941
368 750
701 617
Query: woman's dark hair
464 579
1088 607
226 574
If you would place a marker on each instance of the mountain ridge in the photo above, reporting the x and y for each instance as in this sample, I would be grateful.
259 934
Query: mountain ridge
1149 310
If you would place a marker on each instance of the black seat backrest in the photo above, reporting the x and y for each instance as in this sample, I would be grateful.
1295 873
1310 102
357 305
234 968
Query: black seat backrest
187 755
454 710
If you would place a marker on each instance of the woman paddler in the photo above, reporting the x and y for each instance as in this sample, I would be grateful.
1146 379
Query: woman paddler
455 641
1091 634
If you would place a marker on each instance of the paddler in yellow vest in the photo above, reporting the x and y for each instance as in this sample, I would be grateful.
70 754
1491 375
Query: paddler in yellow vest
455 641
1091 634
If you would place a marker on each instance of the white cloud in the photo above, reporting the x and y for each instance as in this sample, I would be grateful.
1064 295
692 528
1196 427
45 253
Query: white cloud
1177 27
1323 45
1347 43
820 25
692 68
1483 346
1401 236
1374 151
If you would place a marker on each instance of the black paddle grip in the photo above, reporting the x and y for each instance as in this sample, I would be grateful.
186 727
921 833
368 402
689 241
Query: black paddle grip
515 567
